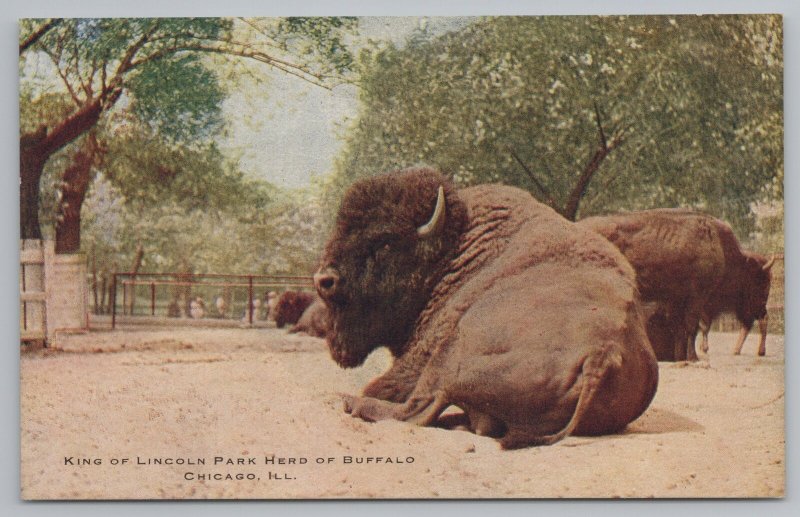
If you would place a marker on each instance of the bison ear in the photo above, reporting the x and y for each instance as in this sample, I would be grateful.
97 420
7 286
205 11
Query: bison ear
435 225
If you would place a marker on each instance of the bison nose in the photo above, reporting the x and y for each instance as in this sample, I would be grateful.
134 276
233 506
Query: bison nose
326 282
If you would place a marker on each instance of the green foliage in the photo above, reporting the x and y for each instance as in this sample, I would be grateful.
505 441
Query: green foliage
697 100
47 109
260 234
323 38
164 183
178 97
171 90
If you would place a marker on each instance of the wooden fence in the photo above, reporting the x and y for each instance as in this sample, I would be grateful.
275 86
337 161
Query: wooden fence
32 295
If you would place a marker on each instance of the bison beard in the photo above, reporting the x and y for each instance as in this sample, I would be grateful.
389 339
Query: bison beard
488 301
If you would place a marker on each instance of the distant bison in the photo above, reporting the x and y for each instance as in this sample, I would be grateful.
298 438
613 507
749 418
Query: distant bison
488 301
290 307
314 321
692 266
760 291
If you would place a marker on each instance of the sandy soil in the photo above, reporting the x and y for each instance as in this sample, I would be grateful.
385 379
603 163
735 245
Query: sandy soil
120 400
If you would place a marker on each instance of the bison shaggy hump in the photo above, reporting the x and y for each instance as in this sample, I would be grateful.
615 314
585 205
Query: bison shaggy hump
488 301
291 306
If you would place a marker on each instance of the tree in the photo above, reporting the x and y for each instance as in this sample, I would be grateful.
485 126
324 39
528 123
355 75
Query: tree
156 66
590 114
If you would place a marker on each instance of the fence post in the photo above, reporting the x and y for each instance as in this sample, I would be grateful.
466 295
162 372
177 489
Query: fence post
250 298
113 301
124 297
152 298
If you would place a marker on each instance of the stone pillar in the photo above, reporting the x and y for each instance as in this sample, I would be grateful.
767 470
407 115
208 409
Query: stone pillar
67 291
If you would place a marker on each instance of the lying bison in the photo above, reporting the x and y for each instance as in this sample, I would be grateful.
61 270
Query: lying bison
314 321
488 301
692 266
290 306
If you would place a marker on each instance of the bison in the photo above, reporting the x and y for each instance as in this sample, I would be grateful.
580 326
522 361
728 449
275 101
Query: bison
691 265
314 321
488 301
762 273
290 307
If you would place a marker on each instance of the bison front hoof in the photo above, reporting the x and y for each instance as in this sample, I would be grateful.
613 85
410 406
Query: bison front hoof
349 402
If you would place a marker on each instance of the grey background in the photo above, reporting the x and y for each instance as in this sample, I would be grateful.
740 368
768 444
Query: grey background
10 504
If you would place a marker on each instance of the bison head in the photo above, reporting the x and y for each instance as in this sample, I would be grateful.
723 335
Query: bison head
393 238
290 307
753 296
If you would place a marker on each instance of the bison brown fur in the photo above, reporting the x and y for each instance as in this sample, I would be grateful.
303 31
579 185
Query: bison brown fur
291 306
693 267
528 323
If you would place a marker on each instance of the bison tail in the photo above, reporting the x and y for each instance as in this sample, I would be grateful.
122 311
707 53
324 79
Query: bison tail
595 368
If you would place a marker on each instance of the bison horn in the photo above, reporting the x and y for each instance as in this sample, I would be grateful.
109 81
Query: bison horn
769 264
436 223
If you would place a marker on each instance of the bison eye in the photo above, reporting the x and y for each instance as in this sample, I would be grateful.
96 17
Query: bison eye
381 252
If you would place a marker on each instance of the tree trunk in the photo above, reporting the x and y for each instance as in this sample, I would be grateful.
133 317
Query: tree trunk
604 148
35 149
137 263
31 166
74 184
94 282
573 201
103 292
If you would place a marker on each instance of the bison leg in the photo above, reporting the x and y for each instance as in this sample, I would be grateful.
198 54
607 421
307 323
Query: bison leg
704 329
678 320
420 410
595 369
691 326
691 353
762 327
484 424
395 385
737 349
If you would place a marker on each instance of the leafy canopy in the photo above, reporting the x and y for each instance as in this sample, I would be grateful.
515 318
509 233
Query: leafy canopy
696 102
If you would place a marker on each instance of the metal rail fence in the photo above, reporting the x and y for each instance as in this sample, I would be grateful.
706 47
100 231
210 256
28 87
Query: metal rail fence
236 290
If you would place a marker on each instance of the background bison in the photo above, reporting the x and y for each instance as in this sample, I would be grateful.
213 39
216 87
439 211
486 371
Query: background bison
290 306
693 269
452 283
314 321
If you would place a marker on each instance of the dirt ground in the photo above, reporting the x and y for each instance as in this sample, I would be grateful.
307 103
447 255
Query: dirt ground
170 414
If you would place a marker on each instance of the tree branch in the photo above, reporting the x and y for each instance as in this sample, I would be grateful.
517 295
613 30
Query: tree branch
37 34
604 149
124 66
603 142
546 193
72 127
260 30
227 46
64 78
